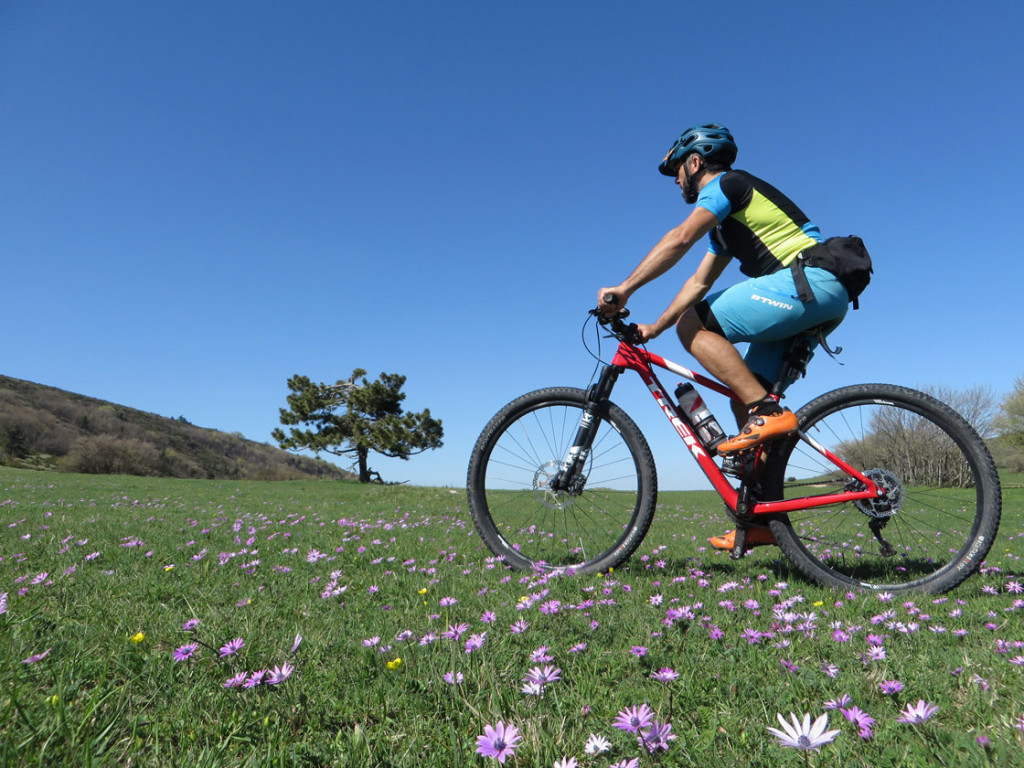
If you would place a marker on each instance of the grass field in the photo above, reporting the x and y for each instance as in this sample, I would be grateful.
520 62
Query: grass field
209 623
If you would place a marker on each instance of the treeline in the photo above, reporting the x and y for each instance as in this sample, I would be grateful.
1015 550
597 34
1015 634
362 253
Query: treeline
45 427
922 455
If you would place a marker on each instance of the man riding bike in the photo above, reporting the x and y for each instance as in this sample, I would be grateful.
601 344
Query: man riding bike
752 221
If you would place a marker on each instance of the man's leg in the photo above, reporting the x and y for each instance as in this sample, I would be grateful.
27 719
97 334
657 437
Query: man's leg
759 419
719 358
723 361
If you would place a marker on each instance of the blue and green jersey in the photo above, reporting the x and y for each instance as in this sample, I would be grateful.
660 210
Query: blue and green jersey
757 224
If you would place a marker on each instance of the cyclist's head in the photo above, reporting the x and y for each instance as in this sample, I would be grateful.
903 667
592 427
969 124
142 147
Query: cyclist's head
711 141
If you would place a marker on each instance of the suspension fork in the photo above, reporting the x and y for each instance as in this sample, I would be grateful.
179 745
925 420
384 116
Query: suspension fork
570 476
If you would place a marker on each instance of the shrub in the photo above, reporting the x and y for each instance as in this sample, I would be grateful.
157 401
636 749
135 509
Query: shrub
107 455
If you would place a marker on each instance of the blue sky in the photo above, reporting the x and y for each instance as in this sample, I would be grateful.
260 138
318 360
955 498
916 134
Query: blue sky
201 199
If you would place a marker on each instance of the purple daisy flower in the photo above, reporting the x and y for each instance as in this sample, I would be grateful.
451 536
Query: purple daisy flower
499 741
231 647
665 675
236 681
541 655
657 736
548 674
890 687
917 713
632 719
278 675
861 719
185 652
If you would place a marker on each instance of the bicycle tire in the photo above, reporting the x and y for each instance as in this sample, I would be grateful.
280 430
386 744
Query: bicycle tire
940 518
532 528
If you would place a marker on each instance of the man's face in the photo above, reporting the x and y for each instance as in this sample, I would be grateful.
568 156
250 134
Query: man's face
687 180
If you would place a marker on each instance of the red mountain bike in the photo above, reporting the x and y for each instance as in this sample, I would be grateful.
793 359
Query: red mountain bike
882 487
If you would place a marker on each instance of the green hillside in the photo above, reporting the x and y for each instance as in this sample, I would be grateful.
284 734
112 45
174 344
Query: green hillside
44 427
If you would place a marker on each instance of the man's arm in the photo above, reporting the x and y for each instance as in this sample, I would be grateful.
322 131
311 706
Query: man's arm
665 255
693 290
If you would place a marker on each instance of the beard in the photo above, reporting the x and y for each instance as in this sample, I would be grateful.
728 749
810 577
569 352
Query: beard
690 188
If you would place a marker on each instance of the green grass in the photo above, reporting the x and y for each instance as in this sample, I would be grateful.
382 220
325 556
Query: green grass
391 555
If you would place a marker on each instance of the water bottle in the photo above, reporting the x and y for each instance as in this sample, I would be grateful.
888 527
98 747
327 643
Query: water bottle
703 421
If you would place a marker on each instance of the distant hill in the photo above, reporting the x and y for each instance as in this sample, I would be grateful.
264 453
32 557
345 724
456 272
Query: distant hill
45 427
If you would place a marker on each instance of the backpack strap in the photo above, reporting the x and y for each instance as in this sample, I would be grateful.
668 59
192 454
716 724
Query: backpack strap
803 288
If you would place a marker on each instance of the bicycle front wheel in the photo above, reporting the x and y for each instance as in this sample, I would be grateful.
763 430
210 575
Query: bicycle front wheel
530 526
941 510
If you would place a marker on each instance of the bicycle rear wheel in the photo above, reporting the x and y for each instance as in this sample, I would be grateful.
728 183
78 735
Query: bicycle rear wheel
943 502
530 526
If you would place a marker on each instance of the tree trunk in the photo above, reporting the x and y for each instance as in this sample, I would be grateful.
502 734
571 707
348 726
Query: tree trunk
364 471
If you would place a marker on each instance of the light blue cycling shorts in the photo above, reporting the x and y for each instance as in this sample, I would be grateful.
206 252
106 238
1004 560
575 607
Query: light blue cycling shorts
765 312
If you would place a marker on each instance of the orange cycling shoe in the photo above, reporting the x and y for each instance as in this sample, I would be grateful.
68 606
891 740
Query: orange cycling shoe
756 537
767 420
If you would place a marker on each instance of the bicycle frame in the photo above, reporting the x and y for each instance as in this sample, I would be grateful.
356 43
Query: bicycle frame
629 357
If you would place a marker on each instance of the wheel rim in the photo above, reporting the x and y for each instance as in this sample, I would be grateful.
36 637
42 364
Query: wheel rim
925 525
546 529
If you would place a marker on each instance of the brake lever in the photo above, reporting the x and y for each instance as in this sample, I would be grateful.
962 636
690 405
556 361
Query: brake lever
632 334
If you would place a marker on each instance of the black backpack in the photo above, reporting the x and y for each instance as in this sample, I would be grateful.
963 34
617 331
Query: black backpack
844 257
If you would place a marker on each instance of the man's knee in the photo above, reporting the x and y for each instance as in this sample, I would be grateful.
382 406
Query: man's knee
688 326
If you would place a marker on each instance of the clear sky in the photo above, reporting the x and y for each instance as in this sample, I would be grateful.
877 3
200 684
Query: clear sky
200 199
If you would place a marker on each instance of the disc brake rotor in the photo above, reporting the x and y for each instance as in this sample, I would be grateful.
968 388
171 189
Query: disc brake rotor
542 487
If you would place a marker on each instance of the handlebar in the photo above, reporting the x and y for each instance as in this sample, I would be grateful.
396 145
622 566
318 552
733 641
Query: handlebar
627 332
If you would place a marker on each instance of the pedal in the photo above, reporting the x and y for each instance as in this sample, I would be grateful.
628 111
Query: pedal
738 464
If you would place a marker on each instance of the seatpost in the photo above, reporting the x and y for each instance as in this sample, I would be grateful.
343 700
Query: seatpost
794 365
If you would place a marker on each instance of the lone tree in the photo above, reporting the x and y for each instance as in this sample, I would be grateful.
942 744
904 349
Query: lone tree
352 418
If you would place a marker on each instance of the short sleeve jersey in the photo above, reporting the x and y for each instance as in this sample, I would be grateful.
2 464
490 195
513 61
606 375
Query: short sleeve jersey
757 224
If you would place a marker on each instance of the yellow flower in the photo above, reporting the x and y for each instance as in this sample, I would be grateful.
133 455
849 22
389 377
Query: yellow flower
819 603
169 567
54 700
137 638
395 664
423 591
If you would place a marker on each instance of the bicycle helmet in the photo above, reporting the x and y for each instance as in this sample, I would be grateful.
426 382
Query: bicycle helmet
711 141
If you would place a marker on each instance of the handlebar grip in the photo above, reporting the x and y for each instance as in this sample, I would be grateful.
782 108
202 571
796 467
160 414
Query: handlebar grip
610 298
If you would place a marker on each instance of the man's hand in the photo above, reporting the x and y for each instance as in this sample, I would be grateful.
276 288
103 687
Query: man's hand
648 332
618 302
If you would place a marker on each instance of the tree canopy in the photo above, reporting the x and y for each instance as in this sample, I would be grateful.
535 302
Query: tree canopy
354 417
1010 423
